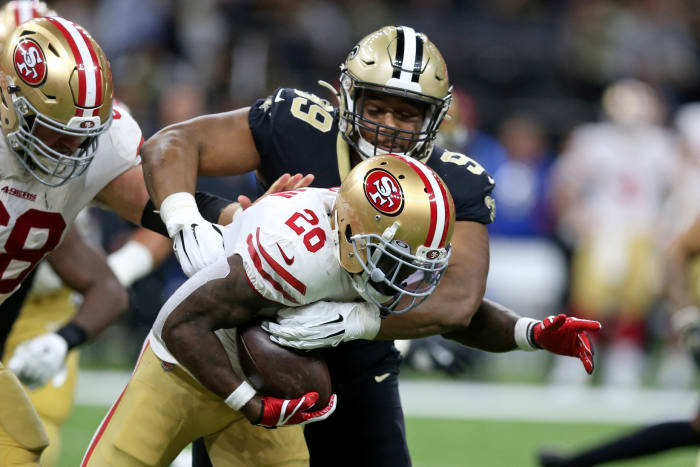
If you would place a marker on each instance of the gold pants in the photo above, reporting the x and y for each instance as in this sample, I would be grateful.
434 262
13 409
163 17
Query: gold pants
163 410
54 401
22 438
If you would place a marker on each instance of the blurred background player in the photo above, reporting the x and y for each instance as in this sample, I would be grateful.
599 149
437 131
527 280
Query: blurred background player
609 186
682 284
686 322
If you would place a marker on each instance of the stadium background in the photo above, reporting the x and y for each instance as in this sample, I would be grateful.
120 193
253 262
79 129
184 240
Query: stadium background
527 70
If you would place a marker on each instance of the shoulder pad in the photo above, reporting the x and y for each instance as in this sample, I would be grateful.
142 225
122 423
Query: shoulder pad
287 247
469 183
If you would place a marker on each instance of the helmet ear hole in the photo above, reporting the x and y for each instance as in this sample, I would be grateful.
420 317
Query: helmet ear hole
348 232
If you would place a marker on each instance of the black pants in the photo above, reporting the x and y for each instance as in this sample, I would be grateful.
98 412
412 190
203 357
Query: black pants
369 420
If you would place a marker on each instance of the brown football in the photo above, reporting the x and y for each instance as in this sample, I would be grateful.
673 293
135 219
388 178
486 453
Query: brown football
279 371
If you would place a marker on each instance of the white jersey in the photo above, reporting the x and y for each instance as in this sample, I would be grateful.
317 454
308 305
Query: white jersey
289 253
622 174
34 218
289 250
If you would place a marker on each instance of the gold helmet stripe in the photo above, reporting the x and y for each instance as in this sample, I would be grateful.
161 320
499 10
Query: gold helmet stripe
24 11
89 73
439 204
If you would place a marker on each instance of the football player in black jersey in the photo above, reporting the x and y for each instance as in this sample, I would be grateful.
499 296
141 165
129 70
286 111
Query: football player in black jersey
394 93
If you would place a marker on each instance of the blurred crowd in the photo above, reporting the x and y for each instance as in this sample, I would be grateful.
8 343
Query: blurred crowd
582 111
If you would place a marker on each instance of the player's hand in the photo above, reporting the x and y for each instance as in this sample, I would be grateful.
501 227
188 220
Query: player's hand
198 245
286 412
324 324
285 182
197 242
565 335
38 360
686 323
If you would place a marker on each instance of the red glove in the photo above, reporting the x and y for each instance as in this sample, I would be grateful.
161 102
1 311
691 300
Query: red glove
285 412
567 336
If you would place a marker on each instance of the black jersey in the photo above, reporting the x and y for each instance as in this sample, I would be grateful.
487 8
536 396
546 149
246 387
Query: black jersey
297 132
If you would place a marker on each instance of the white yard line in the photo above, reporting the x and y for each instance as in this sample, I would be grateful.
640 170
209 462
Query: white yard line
487 400
545 403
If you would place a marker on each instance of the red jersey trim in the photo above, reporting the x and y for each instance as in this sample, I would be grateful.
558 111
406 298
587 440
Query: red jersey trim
279 269
258 265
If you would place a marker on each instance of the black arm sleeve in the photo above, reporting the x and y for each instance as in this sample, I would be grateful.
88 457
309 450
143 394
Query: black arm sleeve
210 206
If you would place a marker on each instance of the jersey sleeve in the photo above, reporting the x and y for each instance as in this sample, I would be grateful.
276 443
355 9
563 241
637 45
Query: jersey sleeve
117 151
469 183
278 264
289 128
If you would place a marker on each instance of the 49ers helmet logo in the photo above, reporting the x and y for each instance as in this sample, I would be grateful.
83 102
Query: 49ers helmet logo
384 192
30 62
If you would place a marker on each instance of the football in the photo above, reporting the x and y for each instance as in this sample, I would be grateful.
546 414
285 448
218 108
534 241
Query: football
279 371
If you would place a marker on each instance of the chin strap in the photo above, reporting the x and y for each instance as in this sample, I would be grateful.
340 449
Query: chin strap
330 87
365 289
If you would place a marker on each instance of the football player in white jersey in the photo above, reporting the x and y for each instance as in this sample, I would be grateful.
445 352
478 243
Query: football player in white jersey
384 237
64 145
56 100
50 304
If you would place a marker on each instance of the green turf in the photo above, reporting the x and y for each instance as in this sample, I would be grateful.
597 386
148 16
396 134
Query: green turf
77 433
486 443
443 443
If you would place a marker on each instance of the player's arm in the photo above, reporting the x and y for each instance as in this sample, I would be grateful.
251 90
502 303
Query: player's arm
128 197
220 297
454 302
456 310
217 144
84 269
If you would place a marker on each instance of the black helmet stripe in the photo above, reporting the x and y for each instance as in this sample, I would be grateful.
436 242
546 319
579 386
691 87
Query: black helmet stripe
398 63
409 55
419 59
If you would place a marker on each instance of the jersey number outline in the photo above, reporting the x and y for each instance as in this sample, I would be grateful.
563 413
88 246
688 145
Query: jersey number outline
15 248
315 115
460 159
315 238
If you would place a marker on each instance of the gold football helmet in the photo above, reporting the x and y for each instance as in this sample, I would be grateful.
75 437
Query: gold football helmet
395 219
14 13
56 98
398 61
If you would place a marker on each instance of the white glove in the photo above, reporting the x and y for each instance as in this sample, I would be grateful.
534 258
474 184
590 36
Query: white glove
38 360
324 324
196 241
